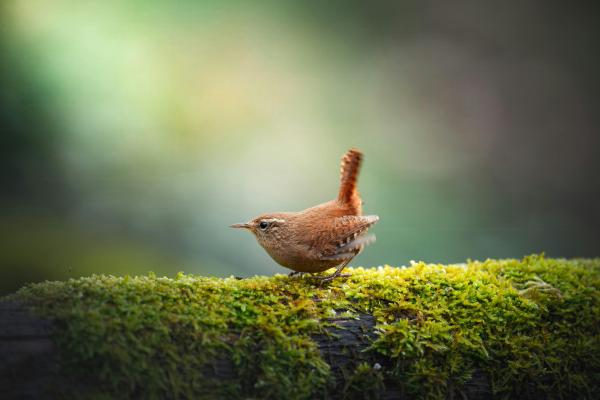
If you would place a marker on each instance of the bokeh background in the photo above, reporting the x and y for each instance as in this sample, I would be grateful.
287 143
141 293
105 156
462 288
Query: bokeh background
134 132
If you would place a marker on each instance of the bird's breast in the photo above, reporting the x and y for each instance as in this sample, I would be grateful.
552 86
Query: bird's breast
298 258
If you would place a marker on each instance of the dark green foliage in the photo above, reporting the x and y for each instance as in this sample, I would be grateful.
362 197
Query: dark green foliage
532 326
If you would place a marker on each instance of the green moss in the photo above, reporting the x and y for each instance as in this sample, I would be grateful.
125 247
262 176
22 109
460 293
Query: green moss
531 325
366 382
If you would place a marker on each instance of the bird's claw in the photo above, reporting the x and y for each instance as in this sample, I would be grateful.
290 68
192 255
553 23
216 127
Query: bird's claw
296 273
329 278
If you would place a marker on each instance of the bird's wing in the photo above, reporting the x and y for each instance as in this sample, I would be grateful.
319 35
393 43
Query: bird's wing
347 237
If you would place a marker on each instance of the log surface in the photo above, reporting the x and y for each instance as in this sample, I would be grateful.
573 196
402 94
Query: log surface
29 358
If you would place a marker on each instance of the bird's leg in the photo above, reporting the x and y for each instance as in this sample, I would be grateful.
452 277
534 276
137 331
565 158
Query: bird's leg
337 273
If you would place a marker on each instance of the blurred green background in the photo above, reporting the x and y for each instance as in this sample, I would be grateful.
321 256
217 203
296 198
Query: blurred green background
134 132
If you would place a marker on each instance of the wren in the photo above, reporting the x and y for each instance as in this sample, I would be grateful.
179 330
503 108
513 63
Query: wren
325 236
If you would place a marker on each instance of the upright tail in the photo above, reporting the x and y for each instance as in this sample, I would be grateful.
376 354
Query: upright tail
348 182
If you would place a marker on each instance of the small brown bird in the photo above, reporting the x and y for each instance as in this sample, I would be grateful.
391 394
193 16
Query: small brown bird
321 237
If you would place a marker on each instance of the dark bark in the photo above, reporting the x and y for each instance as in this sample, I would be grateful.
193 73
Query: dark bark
28 357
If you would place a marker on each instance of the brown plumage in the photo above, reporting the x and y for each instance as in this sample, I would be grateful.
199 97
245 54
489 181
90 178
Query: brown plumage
349 169
321 237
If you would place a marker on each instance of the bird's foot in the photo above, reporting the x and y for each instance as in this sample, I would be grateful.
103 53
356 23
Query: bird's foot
296 273
332 277
336 274
329 278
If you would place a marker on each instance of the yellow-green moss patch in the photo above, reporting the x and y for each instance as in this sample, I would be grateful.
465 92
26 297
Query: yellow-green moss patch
531 326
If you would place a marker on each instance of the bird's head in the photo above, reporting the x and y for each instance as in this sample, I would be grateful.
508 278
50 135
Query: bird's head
267 228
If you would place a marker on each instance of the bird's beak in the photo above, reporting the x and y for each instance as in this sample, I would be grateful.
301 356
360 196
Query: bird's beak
244 225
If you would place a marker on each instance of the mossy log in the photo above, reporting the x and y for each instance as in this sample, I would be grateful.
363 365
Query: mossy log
496 329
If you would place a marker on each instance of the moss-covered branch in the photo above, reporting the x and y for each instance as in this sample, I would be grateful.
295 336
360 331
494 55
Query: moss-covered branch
511 328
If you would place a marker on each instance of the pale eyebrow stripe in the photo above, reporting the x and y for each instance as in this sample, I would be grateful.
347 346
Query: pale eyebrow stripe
274 220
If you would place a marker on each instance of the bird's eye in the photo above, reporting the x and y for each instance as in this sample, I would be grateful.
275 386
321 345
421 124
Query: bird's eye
263 225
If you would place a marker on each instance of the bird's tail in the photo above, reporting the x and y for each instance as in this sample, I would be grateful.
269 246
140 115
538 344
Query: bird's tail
348 182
